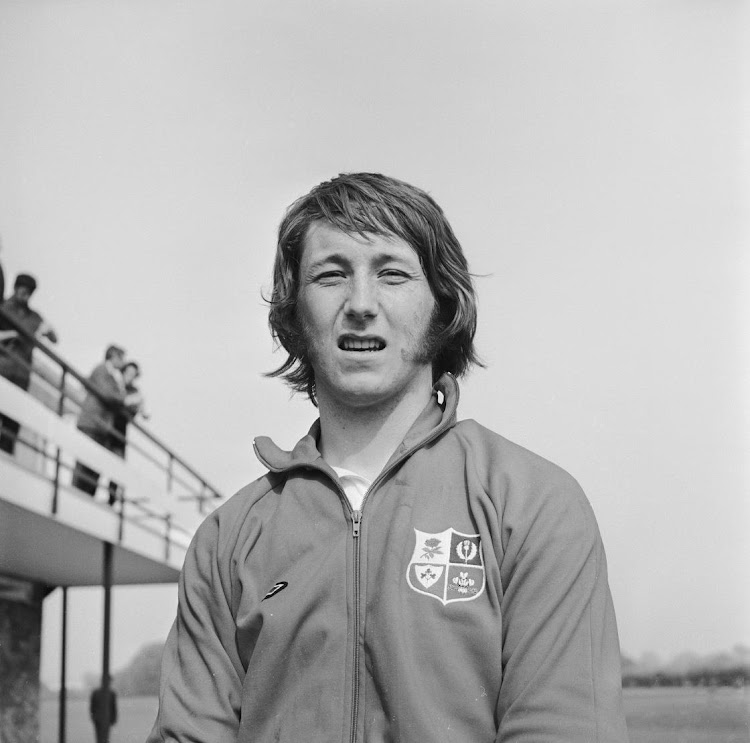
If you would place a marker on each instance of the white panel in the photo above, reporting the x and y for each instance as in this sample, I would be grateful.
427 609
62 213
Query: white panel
144 542
31 489
176 557
24 488
81 512
75 445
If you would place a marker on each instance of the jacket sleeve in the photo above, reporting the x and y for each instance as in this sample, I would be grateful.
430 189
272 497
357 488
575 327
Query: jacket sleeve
201 674
561 656
106 386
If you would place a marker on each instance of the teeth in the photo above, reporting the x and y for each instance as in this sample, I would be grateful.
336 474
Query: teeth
362 344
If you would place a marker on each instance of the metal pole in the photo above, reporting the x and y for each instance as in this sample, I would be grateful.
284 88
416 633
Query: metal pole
170 473
121 524
60 411
56 491
167 536
61 722
107 583
61 401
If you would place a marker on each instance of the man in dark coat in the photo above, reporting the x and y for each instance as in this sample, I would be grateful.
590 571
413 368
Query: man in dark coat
132 406
103 711
98 412
2 279
16 349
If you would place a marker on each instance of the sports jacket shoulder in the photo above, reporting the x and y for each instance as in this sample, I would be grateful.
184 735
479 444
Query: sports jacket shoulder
466 601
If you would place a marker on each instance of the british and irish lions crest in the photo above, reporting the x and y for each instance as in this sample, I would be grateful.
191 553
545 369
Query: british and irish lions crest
447 566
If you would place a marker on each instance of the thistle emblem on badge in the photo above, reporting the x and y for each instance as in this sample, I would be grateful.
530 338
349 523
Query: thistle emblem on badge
447 566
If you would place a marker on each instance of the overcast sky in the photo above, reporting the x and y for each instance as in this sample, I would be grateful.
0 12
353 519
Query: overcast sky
591 156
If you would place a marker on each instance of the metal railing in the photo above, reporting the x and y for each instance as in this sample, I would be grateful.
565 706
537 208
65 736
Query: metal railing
62 389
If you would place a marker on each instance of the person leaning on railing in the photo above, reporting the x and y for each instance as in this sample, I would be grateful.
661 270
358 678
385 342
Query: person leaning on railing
132 406
97 415
16 349
2 279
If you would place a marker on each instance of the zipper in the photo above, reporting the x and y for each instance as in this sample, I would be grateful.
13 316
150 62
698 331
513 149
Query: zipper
356 525
356 529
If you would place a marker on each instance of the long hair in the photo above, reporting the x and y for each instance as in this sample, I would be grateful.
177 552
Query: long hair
362 203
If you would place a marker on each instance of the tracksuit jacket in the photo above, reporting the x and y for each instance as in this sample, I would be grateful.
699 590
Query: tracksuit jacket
466 601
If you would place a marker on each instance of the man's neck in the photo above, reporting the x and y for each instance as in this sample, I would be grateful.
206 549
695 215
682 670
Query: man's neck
20 304
362 440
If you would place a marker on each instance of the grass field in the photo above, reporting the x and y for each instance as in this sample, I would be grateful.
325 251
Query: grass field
136 716
654 716
688 715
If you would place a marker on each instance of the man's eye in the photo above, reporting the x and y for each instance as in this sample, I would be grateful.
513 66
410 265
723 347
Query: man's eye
328 277
394 276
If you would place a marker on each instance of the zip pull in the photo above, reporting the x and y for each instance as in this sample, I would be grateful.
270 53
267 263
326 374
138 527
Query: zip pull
356 523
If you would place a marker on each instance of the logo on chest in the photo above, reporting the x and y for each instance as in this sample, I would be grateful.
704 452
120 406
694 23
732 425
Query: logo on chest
447 566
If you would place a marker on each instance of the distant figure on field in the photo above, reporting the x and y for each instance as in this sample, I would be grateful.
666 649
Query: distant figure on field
16 349
132 406
103 710
2 278
98 412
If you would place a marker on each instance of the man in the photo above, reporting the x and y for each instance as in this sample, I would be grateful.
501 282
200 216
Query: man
132 406
2 277
97 415
397 576
17 349
103 711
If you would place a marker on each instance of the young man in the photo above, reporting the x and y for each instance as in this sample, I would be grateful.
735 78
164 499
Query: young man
398 576
132 407
97 415
17 349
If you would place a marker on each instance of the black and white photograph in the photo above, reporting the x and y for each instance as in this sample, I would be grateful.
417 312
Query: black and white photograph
375 371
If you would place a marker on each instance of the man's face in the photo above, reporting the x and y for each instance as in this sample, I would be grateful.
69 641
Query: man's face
117 359
365 307
22 294
129 374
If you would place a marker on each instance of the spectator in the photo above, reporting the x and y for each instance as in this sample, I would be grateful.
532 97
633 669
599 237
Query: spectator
2 279
132 406
16 349
103 711
98 412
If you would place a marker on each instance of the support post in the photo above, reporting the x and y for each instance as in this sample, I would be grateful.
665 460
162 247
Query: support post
107 584
62 721
61 400
170 473
60 412
56 491
167 536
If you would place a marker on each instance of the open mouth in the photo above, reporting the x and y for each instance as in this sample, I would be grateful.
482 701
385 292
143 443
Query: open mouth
361 343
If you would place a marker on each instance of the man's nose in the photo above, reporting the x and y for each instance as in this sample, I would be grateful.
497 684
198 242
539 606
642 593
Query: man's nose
362 299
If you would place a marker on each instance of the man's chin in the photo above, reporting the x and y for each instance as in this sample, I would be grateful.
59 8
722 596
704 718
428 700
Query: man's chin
360 393
365 390
357 391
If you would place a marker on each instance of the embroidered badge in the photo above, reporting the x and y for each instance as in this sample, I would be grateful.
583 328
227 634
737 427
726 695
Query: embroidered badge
447 566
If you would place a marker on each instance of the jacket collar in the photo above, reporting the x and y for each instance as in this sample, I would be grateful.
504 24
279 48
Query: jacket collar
22 308
438 416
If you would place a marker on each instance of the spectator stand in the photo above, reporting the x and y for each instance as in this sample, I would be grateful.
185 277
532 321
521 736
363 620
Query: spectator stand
53 534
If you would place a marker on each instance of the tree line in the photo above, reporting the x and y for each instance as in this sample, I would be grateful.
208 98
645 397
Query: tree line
732 668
